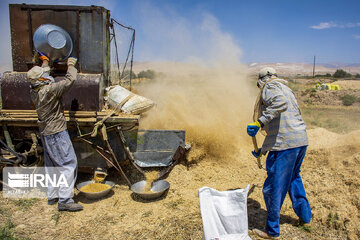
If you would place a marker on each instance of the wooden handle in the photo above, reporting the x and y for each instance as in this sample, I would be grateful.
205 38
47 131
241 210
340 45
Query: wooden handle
255 144
256 148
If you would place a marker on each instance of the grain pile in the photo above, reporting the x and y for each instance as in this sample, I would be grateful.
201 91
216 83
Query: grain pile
94 187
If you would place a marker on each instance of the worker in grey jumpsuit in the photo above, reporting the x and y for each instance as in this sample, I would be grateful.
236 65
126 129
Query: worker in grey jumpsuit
59 154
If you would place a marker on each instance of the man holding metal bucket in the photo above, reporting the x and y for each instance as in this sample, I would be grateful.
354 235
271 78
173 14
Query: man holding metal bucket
59 153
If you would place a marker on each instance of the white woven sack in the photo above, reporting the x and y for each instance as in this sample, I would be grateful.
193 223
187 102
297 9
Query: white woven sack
224 214
130 103
137 104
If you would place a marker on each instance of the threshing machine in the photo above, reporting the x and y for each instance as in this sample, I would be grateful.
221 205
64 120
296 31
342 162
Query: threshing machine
100 139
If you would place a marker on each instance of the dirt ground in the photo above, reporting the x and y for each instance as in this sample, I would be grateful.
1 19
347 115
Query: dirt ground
330 175
220 158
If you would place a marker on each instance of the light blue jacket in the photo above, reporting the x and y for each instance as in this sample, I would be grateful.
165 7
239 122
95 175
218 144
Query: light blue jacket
281 117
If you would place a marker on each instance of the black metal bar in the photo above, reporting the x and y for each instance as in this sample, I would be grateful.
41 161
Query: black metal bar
89 134
18 156
96 147
111 37
30 31
105 138
7 136
130 28
127 59
116 50
102 153
108 50
60 7
7 161
132 55
107 160
78 38
131 48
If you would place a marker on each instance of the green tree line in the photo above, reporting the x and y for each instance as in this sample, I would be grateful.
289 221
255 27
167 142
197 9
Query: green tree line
340 73
150 74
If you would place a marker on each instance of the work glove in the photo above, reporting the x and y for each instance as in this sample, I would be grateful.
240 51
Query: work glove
43 56
253 128
71 61
257 154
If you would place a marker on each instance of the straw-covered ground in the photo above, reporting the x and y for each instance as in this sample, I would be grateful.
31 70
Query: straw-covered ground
220 158
330 175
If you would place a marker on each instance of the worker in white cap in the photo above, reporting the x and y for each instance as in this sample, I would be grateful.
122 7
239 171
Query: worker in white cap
278 114
59 154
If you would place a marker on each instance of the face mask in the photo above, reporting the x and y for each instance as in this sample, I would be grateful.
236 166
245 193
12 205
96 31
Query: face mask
48 77
51 79
262 81
258 84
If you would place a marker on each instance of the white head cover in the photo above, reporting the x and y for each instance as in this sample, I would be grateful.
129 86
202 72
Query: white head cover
265 74
267 71
37 72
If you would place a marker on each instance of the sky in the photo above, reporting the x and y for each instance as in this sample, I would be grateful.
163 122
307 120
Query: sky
229 30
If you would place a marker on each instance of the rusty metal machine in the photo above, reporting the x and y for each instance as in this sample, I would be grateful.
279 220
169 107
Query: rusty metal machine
117 138
90 32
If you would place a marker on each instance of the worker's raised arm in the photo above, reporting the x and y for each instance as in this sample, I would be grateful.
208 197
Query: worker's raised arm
45 63
44 58
59 88
274 102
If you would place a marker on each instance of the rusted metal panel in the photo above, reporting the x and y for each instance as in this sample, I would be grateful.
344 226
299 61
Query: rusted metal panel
92 42
85 95
87 26
20 44
15 91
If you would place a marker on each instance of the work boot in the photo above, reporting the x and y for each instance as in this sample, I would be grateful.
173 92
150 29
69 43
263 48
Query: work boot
71 207
52 201
263 235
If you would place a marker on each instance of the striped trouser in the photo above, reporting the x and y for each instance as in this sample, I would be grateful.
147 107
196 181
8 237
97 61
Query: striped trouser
59 156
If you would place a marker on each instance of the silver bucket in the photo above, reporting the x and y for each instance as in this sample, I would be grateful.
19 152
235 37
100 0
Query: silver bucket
54 41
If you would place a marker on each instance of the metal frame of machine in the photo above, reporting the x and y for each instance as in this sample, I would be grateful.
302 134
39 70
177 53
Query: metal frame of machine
95 132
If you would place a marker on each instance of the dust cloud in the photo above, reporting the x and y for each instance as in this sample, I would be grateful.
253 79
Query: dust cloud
209 95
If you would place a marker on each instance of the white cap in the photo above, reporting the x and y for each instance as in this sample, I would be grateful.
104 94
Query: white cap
267 71
36 72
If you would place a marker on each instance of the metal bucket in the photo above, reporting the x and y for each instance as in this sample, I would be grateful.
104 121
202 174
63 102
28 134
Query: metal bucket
95 195
158 188
54 41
